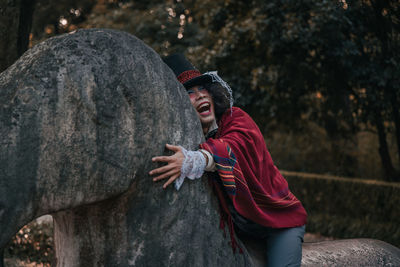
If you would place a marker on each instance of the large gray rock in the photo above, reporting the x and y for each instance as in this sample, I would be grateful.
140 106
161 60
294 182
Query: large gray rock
81 116
346 252
350 252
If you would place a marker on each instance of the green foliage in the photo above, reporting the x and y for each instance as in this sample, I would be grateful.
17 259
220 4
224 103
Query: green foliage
167 26
316 152
333 62
33 243
349 208
55 17
292 51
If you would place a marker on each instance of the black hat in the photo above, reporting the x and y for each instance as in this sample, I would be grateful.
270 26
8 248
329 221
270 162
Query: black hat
185 72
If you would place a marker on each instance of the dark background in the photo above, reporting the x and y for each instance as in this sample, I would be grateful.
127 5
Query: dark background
321 78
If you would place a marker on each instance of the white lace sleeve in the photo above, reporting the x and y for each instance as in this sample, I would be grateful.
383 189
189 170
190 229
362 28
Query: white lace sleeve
210 163
193 166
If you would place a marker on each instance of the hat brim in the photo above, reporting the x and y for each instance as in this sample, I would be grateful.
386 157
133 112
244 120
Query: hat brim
199 80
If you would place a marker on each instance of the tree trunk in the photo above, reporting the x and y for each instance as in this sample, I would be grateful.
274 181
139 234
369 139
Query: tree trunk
383 29
388 168
15 27
396 119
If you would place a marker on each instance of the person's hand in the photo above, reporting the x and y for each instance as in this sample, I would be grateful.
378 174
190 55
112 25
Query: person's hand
172 170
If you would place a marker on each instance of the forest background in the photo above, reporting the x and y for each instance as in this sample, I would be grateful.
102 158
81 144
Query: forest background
321 78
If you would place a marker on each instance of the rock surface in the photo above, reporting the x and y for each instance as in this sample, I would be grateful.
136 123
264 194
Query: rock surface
346 252
81 116
350 252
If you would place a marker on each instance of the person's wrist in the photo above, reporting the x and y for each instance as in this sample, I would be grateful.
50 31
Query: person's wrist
205 156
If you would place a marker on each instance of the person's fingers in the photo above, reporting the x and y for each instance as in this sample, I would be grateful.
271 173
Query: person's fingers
162 159
162 169
173 148
166 175
172 179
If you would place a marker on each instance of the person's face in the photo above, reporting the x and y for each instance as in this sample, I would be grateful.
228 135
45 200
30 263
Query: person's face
203 104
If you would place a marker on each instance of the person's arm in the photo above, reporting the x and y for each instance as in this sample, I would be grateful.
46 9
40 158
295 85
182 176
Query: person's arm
210 165
182 164
172 170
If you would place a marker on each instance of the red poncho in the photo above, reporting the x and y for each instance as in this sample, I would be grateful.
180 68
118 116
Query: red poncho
249 177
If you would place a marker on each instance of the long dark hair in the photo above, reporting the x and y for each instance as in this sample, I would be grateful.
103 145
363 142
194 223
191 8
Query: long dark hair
220 96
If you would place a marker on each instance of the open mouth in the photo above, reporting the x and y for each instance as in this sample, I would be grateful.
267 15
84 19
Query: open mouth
204 108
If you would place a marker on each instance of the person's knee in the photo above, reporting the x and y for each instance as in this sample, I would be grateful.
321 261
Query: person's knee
285 247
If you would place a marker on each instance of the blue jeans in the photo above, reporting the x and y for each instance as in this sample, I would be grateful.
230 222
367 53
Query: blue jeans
283 245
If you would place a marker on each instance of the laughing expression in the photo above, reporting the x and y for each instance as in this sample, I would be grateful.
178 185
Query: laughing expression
203 104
